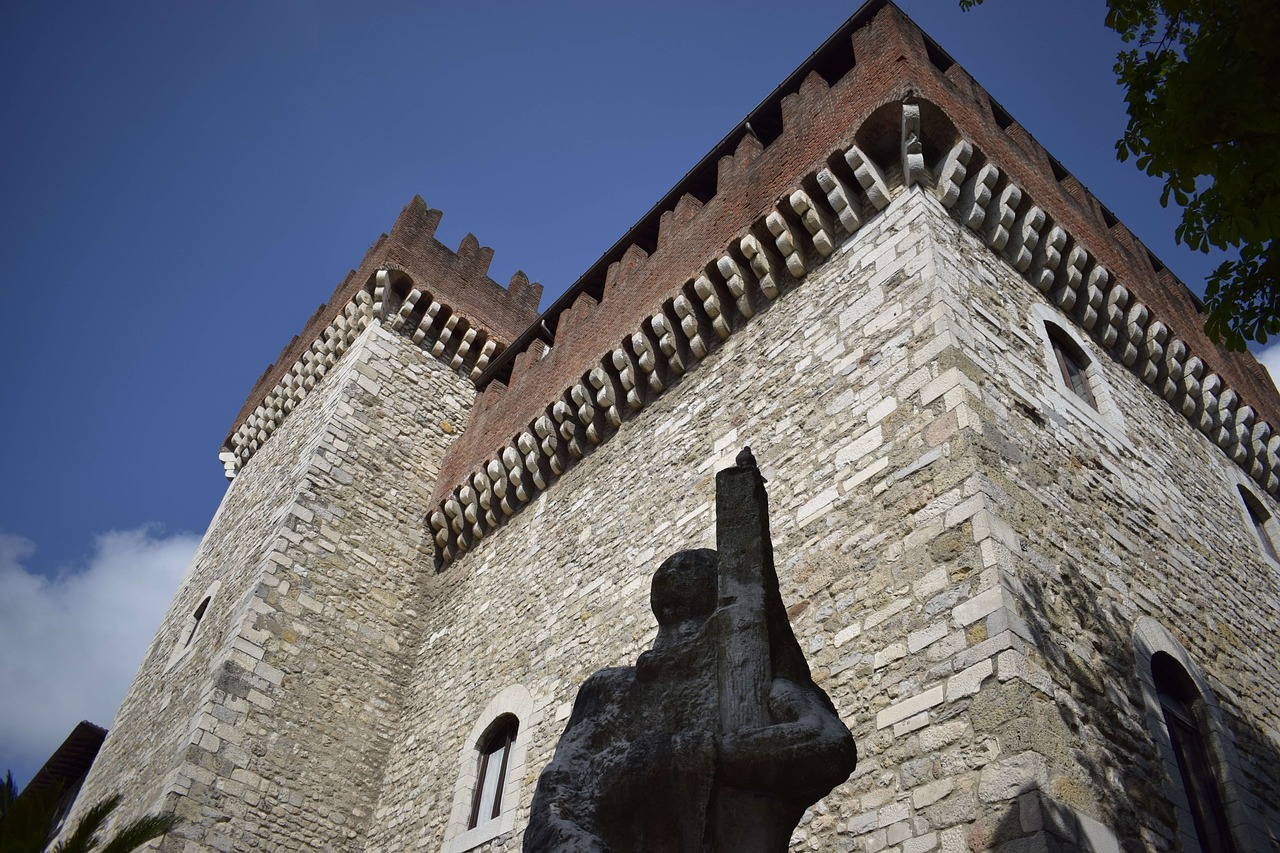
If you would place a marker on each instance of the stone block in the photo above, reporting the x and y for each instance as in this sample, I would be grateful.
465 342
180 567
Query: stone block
911 724
927 795
889 654
860 447
968 681
816 506
908 707
866 473
881 410
847 634
921 843
893 813
930 584
1012 776
980 605
924 637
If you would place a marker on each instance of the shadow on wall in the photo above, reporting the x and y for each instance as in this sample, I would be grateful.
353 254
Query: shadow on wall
1039 824
1094 769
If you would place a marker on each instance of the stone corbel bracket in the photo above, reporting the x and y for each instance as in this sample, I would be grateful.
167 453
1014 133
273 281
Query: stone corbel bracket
411 310
392 299
777 252
774 255
980 195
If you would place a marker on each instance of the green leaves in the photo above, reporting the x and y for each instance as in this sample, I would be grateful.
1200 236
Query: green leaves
28 824
139 833
25 823
1239 310
1204 115
85 836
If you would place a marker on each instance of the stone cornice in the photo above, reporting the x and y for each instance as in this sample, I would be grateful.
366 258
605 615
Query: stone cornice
779 249
400 307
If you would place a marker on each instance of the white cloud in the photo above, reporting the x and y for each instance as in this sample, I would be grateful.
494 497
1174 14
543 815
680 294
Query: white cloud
69 645
1270 359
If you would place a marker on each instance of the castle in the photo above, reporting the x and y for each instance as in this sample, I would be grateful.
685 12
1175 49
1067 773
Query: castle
1024 512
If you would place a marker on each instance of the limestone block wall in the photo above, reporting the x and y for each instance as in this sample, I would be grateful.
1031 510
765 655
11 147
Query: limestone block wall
967 553
1122 516
278 721
850 393
157 721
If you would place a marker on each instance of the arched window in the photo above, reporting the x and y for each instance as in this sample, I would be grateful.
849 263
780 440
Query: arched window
1179 701
491 776
491 771
1212 805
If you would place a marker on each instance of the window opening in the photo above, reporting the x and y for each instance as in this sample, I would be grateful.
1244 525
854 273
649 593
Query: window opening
1073 364
1259 516
495 752
194 622
1179 701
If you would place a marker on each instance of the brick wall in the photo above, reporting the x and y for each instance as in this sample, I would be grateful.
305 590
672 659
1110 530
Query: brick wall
459 279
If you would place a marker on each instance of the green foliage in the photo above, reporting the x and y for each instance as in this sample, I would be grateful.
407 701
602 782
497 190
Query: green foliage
1202 90
28 824
24 822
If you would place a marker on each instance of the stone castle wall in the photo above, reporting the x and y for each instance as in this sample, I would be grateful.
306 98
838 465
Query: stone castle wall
274 727
977 563
965 548
158 721
847 391
1121 517
965 552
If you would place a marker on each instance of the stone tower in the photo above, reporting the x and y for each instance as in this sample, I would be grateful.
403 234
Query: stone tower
267 701
1025 511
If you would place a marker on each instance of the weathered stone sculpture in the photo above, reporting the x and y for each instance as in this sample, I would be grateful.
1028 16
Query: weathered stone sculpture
717 739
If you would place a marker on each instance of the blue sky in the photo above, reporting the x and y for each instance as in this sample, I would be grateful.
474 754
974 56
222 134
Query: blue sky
181 184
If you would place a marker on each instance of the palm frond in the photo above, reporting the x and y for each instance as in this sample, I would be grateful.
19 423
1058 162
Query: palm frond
85 836
26 823
140 832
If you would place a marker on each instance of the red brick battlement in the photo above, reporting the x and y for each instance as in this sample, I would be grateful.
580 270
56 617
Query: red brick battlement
880 56
460 279
878 109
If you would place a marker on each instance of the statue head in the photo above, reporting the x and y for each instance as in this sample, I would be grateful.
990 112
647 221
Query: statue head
685 587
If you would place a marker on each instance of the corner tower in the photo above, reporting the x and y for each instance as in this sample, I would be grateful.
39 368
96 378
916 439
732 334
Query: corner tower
265 705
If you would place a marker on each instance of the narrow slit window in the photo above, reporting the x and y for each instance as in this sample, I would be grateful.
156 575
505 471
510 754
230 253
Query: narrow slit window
194 622
1259 516
1073 364
495 754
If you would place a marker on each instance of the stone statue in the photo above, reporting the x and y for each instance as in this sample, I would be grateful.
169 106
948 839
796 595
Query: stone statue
717 739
